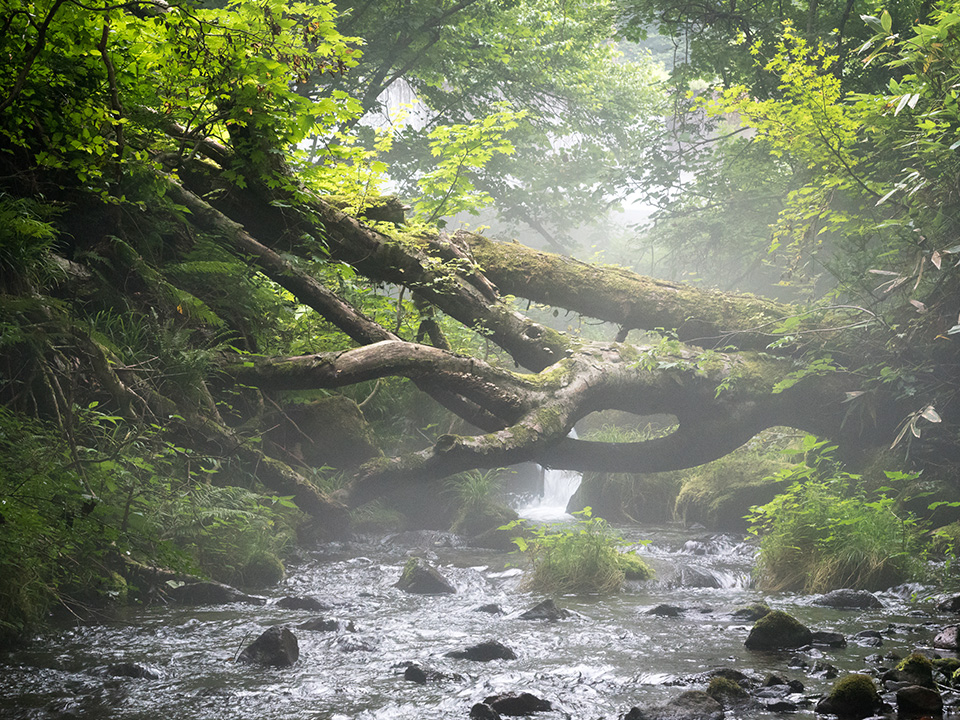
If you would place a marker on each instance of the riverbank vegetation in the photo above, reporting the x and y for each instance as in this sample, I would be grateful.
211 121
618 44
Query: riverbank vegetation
585 556
218 337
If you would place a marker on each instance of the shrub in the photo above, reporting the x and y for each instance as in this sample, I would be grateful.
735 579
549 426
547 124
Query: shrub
581 557
827 531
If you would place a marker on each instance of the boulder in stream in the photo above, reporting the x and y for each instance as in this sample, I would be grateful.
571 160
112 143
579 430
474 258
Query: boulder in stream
691 705
949 605
849 599
323 625
547 610
484 652
302 603
421 578
829 639
778 630
663 610
915 701
915 669
210 593
517 704
482 711
853 696
276 647
948 638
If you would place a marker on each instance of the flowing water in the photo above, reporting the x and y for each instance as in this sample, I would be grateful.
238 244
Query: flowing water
610 656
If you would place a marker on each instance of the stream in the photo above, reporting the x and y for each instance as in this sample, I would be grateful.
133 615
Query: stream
610 656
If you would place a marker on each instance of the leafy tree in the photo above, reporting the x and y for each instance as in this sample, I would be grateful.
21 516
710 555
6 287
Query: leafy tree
587 109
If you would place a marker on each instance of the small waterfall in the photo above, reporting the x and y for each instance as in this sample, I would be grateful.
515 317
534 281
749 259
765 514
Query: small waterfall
558 486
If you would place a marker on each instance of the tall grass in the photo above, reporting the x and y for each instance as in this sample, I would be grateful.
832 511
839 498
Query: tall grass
582 557
827 531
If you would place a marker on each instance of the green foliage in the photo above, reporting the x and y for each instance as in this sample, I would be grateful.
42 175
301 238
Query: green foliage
827 531
589 105
463 149
233 534
73 516
582 557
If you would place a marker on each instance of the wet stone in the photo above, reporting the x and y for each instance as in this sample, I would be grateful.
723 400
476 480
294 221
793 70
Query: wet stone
829 639
324 625
276 647
849 599
211 593
697 578
666 611
484 652
948 638
420 578
516 705
302 603
691 705
547 610
949 605
490 608
480 711
915 701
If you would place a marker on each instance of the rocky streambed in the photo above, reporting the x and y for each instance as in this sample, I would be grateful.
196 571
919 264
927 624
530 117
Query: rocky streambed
351 644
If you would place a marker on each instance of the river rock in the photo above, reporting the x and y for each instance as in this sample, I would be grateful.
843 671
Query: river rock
913 670
948 638
482 711
664 610
853 696
547 610
422 675
211 593
491 608
276 647
691 705
777 630
133 670
950 604
752 612
516 705
829 639
915 701
849 599
421 578
484 652
302 603
869 638
697 578
324 625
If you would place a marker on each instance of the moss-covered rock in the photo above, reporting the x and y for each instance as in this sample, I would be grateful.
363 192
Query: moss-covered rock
726 691
420 578
852 696
752 612
263 570
915 669
719 494
778 630
634 568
